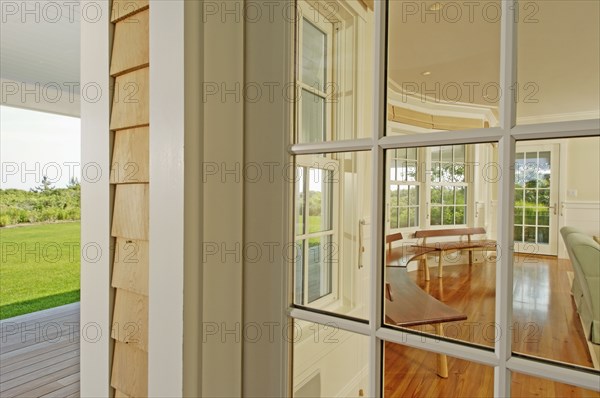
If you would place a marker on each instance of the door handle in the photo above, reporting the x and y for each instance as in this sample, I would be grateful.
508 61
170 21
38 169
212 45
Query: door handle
553 207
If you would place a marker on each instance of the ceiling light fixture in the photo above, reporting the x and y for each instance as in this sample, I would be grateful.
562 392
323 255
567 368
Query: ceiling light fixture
426 73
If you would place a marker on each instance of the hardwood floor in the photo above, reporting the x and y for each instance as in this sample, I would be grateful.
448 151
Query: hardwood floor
545 324
524 386
410 372
39 354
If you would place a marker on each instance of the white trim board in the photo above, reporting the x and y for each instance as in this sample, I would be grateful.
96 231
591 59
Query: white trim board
96 295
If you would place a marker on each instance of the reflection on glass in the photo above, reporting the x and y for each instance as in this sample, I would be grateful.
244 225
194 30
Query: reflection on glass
543 198
435 204
314 208
320 257
313 117
558 82
530 234
320 200
518 234
332 201
533 173
333 69
543 217
525 386
518 215
410 372
404 199
543 235
549 292
299 188
443 67
327 360
460 195
314 43
299 272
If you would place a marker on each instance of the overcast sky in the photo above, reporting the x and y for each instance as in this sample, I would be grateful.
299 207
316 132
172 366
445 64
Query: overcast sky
34 144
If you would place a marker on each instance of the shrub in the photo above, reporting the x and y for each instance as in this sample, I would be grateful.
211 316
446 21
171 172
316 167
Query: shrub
57 204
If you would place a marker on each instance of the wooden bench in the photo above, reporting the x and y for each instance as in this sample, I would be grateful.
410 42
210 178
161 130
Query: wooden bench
469 244
401 256
407 304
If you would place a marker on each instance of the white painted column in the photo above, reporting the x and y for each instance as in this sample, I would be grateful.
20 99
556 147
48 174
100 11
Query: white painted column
96 300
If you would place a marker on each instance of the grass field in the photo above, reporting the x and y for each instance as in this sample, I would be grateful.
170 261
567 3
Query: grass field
39 267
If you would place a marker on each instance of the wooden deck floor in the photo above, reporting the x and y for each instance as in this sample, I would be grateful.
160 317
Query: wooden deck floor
39 354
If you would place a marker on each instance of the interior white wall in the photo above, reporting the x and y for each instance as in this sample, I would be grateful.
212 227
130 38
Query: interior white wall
580 186
583 169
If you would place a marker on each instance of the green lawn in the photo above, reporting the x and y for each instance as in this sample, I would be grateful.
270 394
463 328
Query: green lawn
39 267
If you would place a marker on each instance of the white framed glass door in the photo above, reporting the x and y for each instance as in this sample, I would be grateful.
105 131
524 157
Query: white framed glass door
536 198
434 118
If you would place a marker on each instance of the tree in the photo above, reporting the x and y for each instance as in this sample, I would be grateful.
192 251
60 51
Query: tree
44 187
73 183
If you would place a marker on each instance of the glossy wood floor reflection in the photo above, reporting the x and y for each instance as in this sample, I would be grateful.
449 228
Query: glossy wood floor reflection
545 324
524 386
410 372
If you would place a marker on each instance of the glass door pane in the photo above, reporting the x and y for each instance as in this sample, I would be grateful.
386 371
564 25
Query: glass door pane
333 71
443 66
332 202
427 289
536 199
329 362
410 372
558 80
553 295
525 386
314 55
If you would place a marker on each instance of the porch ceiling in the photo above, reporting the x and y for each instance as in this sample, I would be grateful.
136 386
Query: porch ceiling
39 53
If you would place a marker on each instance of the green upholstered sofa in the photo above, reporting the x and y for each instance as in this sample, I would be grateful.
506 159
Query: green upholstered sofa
584 253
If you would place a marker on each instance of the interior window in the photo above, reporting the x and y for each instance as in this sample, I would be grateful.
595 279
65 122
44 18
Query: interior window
404 189
448 191
314 233
315 48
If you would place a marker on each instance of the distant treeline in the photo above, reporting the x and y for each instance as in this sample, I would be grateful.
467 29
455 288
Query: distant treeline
41 204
